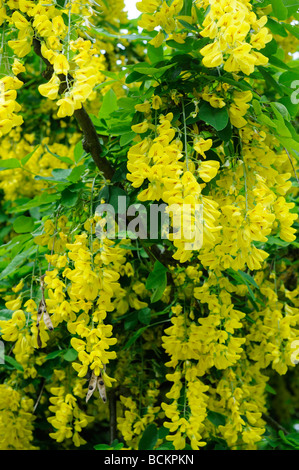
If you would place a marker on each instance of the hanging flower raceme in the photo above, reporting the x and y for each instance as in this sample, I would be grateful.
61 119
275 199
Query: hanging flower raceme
8 104
16 419
236 36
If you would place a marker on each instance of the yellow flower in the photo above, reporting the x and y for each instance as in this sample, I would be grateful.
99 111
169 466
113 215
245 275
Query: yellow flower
66 107
156 102
157 40
148 6
140 128
19 20
50 90
212 55
61 65
17 67
241 59
21 47
208 170
201 145
143 107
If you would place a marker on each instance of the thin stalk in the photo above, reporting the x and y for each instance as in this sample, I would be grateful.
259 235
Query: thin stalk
245 177
291 162
185 136
91 225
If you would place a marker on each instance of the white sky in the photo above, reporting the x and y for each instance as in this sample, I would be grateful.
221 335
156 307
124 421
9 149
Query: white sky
131 9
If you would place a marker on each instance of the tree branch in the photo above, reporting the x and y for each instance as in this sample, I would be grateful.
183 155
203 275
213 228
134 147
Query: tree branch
269 420
112 418
91 143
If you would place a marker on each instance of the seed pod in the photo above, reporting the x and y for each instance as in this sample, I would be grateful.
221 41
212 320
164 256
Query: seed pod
91 386
102 388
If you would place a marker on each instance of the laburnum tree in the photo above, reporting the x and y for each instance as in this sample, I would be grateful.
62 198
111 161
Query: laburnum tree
134 341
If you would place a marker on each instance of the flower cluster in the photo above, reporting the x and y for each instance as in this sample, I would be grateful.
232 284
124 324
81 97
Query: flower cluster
159 161
68 419
16 419
8 105
237 36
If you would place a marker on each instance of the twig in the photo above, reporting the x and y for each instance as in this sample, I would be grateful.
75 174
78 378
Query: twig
112 410
291 162
39 396
274 423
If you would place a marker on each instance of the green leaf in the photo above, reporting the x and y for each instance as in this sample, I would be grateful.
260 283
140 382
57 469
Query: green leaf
109 105
144 315
280 11
148 438
76 173
115 193
5 314
37 201
188 25
276 241
166 446
10 360
269 389
120 129
157 281
24 160
276 27
257 107
156 276
187 8
292 6
155 54
292 28
126 138
9 163
70 355
115 445
66 160
147 69
158 291
135 77
281 109
270 80
23 224
16 244
134 337
248 278
200 13
68 197
266 120
216 418
186 47
54 354
290 144
293 108
216 117
17 262
226 133
78 151
131 320
278 63
59 175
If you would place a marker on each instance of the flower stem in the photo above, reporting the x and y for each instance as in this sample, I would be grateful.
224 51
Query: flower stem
185 136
